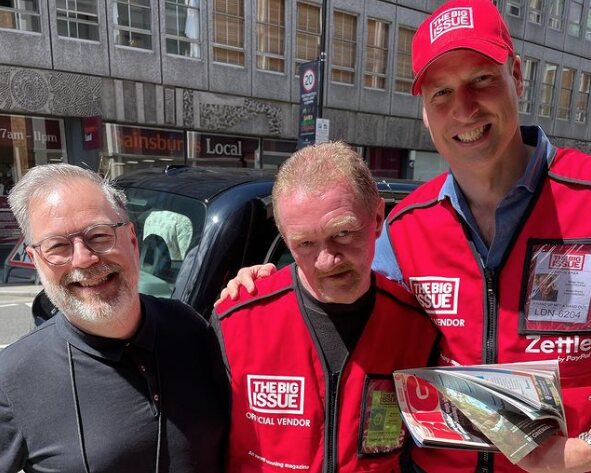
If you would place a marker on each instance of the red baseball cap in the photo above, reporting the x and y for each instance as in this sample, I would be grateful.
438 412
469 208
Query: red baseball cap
460 24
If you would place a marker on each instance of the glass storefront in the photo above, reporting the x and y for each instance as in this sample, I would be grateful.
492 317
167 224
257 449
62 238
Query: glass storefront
276 151
386 162
220 150
26 142
130 148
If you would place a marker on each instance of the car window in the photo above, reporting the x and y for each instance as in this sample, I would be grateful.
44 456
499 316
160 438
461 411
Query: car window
278 253
168 226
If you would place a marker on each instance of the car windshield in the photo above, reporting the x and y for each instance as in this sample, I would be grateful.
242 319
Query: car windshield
168 226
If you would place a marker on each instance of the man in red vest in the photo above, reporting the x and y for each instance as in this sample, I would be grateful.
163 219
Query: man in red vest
512 208
311 355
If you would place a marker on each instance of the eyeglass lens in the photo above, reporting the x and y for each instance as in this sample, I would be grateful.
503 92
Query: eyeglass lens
59 249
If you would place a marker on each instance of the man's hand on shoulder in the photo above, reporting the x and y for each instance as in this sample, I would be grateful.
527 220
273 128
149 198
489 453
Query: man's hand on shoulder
559 455
246 277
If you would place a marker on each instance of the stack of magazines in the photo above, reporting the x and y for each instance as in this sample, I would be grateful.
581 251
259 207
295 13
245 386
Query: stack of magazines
511 408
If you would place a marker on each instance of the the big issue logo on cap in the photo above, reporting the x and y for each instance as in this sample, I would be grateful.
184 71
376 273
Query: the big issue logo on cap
450 20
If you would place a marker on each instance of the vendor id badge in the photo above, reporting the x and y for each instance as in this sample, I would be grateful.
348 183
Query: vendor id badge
380 429
556 289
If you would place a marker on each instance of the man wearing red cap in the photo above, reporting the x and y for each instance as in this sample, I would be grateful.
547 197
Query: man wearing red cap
509 209
512 207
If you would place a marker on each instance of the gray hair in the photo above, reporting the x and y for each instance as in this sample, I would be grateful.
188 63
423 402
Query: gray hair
320 166
40 181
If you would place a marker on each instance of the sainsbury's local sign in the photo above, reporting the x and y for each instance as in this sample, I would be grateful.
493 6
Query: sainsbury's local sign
133 140
217 146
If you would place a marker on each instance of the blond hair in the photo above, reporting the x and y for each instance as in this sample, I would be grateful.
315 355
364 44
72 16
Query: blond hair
321 166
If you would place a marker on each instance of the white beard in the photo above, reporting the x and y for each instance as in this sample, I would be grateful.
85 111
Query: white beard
101 308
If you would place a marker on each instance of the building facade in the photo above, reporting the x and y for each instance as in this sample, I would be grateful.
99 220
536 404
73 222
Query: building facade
114 85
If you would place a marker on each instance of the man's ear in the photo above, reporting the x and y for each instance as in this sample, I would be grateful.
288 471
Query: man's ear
425 119
517 75
380 215
32 254
133 238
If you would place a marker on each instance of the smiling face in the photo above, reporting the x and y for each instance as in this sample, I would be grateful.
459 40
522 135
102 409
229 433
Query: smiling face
331 236
91 289
471 108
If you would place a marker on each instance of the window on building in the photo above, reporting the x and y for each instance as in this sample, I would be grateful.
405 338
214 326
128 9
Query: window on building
556 14
376 54
183 28
534 12
588 26
228 32
20 15
271 35
77 19
530 71
513 8
344 40
308 31
404 74
575 16
583 101
565 96
547 90
133 20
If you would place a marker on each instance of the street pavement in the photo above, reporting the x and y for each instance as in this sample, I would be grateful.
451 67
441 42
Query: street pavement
15 311
11 290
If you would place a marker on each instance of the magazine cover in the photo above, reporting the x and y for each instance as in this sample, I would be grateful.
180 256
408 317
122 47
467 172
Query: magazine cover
511 408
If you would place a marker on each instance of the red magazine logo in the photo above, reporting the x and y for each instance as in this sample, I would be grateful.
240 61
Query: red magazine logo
567 261
276 394
437 295
450 20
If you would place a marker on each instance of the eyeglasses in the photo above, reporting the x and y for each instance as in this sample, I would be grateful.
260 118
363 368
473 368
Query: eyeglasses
58 249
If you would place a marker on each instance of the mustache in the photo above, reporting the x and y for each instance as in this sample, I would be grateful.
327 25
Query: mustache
97 271
335 272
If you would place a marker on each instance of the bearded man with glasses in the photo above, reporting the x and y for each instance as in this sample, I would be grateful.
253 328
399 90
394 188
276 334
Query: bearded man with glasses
116 381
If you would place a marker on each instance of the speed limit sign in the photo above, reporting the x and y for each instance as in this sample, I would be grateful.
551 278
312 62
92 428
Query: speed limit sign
309 80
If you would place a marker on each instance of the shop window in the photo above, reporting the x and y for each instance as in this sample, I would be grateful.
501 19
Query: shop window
344 41
566 93
228 32
427 165
404 74
183 28
583 101
376 54
385 162
77 19
308 32
20 15
530 70
588 26
26 142
133 20
133 147
547 90
276 152
220 150
270 35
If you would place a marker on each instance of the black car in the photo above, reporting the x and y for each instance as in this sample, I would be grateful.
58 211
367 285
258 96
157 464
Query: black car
197 226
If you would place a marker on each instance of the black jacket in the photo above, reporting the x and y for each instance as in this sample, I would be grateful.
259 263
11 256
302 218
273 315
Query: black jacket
68 398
